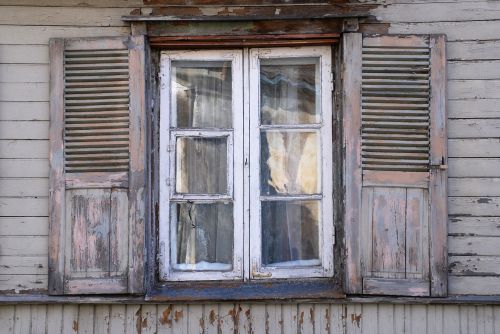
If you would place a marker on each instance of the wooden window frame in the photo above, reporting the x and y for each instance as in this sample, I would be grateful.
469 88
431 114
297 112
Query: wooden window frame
259 289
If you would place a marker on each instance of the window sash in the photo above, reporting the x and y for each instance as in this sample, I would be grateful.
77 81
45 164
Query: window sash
167 168
325 154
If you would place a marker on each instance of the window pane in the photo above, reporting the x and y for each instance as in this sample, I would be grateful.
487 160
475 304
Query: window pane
201 165
288 91
204 236
201 94
290 234
289 162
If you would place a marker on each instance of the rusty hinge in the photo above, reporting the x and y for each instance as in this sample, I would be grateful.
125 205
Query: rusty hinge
438 166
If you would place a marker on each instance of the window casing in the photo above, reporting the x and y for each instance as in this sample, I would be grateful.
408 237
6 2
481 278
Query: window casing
302 148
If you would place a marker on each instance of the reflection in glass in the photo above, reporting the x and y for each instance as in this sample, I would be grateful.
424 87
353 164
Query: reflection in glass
201 165
290 236
288 92
289 162
204 236
201 94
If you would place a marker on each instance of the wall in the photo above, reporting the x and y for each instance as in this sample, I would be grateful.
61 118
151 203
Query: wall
473 30
257 318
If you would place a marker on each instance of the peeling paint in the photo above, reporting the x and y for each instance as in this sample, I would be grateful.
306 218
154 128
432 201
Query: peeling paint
178 315
212 317
164 319
356 318
75 326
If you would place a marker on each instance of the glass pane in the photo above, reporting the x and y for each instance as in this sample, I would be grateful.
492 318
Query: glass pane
290 234
289 162
288 91
201 165
204 236
201 94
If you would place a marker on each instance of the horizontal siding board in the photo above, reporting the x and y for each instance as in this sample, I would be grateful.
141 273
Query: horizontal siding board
474 285
473 50
12 34
474 148
24 91
24 111
63 16
474 265
436 12
87 3
472 70
474 206
23 265
24 73
25 149
23 283
24 206
473 246
454 31
24 130
471 128
473 186
24 167
483 167
24 54
23 245
474 226
24 226
20 187
474 108
473 89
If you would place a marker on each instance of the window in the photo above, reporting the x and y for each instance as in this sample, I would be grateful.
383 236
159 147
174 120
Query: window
245 164
245 185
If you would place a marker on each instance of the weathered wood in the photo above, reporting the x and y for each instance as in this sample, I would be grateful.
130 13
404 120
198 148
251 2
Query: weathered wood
474 246
23 226
24 167
138 184
18 35
15 284
10 130
472 148
351 101
24 206
473 186
30 187
24 54
24 72
472 50
473 108
474 89
24 91
63 16
472 70
474 206
24 111
483 167
474 226
474 265
455 31
23 265
438 190
473 128
463 285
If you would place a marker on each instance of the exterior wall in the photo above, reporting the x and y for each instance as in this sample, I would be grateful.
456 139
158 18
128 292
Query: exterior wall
255 318
473 30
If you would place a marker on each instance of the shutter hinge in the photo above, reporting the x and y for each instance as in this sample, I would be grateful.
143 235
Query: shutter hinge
438 166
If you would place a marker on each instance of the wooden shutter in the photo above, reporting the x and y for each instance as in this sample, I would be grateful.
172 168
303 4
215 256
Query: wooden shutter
98 166
394 95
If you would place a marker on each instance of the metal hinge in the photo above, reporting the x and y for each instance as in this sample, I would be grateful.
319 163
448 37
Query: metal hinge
438 166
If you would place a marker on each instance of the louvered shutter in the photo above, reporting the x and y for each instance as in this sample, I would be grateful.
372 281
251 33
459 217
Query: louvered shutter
394 95
98 166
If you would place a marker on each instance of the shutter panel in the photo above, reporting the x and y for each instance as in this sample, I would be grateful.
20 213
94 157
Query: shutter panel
395 169
98 166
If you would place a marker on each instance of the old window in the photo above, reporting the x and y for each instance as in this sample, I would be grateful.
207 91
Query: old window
246 190
245 164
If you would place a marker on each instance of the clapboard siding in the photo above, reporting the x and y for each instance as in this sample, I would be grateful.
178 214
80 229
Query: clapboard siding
250 318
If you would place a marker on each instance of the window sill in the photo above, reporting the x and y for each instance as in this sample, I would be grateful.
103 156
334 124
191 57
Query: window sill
17 299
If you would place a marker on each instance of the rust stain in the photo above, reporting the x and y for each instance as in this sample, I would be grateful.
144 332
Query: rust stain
356 318
301 320
144 323
75 325
164 319
212 317
267 322
327 318
247 313
202 324
311 314
138 322
178 315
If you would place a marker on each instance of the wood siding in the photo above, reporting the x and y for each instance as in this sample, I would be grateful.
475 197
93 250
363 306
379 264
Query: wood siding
473 32
250 318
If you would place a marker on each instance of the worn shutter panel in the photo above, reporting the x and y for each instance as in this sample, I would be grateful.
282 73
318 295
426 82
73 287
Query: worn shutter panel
98 166
395 167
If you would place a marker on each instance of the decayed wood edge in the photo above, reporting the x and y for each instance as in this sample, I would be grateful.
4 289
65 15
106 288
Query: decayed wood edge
97 180
351 102
396 179
56 176
138 190
396 287
438 176
95 286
